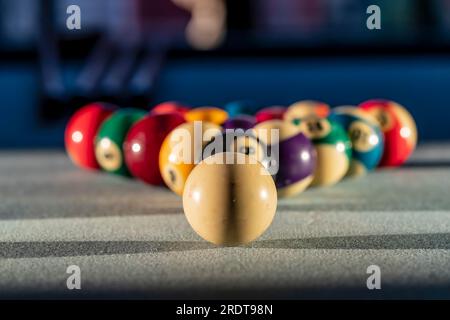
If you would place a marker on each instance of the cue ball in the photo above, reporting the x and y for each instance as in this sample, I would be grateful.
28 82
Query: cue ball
333 148
399 129
209 114
229 204
143 143
110 139
296 156
182 149
365 135
80 133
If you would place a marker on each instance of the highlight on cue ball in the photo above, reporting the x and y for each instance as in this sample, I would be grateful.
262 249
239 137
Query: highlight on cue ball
229 203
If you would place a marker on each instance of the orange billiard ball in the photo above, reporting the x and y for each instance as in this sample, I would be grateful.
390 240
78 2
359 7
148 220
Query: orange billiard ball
399 129
80 133
182 150
210 114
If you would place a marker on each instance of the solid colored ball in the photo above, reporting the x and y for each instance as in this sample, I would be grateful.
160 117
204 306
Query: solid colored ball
270 113
306 108
182 150
229 203
296 156
79 136
366 138
110 139
209 114
333 149
170 107
243 107
399 129
244 122
143 143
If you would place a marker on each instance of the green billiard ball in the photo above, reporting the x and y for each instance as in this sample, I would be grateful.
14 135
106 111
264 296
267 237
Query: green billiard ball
333 147
110 138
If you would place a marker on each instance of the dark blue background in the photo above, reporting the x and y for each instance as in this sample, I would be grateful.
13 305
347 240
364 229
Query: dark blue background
420 83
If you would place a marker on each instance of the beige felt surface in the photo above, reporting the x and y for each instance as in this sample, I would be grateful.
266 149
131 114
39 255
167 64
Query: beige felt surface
133 241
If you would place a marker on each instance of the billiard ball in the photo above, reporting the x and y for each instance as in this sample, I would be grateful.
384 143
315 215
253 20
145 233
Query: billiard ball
366 138
209 114
333 148
182 150
296 156
143 143
399 129
170 107
229 204
270 113
238 141
110 138
80 133
305 108
243 121
243 107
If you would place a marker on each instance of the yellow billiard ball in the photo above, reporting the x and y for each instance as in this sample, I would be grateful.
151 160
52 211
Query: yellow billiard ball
182 150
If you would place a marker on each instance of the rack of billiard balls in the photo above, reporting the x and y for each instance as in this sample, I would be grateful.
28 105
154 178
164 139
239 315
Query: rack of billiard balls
232 204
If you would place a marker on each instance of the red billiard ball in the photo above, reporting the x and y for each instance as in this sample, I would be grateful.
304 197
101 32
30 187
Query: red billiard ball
170 107
143 143
399 129
270 113
80 133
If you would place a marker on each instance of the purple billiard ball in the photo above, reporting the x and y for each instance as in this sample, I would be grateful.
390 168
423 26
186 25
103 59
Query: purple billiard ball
243 122
296 156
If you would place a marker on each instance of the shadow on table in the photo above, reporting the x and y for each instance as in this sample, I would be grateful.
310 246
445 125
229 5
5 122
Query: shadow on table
427 164
37 249
385 242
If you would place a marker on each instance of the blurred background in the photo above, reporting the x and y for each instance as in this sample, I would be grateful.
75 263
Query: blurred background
209 52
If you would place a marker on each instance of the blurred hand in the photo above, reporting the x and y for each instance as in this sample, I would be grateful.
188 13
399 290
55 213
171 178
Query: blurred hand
207 27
